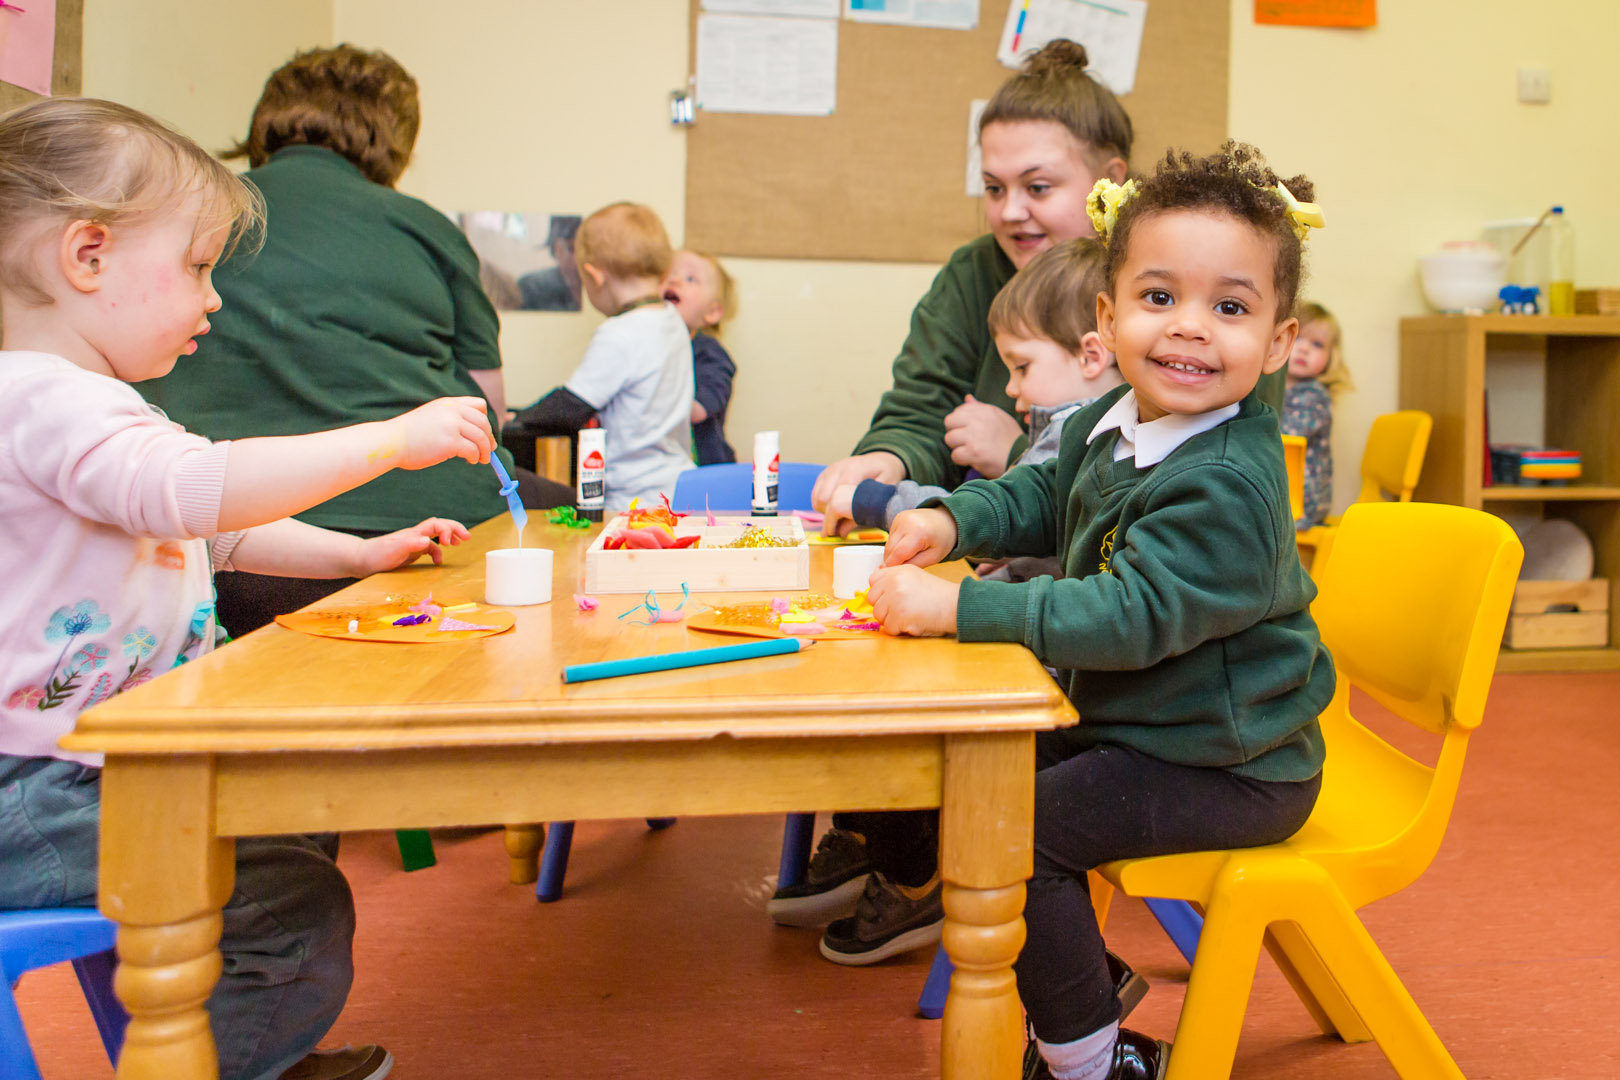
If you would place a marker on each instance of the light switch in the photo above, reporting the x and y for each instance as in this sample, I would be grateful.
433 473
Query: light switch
1535 86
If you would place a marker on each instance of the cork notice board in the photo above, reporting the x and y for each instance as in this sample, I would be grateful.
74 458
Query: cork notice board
68 64
884 177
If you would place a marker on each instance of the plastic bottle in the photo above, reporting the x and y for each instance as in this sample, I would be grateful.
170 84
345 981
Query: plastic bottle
592 472
767 466
1561 255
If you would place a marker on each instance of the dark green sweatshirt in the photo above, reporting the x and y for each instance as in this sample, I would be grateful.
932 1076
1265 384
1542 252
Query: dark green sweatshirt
1181 625
950 354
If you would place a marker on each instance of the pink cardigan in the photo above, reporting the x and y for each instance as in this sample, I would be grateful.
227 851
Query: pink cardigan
109 506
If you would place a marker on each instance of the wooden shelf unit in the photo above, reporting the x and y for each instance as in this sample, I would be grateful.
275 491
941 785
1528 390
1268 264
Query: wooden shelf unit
1443 359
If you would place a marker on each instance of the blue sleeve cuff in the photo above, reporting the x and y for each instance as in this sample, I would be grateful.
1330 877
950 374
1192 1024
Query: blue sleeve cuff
871 498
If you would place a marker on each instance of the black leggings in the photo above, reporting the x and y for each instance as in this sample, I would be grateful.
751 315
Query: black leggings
1110 803
245 602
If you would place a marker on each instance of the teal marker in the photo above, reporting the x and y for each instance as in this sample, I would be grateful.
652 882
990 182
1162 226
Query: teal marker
639 665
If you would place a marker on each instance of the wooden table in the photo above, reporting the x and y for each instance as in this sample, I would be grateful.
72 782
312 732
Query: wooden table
265 737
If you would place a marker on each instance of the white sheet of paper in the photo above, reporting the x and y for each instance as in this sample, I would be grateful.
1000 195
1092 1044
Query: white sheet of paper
975 169
813 9
754 64
1111 31
944 14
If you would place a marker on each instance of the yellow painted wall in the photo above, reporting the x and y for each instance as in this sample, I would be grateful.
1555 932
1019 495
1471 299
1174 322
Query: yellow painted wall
1414 136
1411 131
198 64
524 112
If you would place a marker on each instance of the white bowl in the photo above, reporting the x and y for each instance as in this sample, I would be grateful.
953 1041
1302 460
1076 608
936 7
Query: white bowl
1463 278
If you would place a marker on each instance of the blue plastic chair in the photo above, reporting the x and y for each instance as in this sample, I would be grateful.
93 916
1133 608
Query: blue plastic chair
1177 917
36 939
731 487
715 487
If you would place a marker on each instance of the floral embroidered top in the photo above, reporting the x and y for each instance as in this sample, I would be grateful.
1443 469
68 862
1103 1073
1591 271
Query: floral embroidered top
111 506
1308 411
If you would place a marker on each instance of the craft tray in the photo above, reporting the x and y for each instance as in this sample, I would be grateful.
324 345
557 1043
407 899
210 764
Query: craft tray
704 568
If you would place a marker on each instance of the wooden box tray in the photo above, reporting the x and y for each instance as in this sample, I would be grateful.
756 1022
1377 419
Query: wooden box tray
707 567
1559 615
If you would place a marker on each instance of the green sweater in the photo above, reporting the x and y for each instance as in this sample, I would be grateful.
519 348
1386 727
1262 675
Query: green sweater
1182 623
363 304
950 354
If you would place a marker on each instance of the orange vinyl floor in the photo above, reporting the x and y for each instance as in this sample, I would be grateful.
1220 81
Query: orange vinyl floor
659 960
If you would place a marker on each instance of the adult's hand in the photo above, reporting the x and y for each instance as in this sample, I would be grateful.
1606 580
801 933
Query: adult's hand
878 465
981 436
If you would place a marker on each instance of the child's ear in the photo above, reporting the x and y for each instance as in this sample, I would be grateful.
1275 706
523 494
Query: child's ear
713 314
82 254
1282 343
594 272
1094 355
1105 321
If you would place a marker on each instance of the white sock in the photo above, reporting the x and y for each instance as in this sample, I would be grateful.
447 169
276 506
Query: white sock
1087 1058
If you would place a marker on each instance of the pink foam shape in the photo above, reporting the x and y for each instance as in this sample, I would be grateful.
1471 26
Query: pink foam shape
586 603
448 625
781 605
802 628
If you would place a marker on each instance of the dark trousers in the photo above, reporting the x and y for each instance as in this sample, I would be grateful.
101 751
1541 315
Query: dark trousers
1110 803
903 845
244 602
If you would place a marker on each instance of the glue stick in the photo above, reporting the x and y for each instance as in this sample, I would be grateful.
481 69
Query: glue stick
592 469
767 466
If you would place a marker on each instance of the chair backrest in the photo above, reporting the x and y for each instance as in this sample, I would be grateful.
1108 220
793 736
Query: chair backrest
1294 462
1393 460
1412 608
731 487
1413 604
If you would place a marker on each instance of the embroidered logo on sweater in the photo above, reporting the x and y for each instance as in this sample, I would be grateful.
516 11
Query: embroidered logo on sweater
1106 550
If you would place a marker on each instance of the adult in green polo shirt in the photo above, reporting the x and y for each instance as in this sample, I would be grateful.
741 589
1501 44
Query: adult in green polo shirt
362 304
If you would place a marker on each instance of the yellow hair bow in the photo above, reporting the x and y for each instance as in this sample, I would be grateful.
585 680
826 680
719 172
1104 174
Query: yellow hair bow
1305 216
1103 204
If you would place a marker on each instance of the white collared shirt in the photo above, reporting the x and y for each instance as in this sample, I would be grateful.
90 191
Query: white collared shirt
1153 441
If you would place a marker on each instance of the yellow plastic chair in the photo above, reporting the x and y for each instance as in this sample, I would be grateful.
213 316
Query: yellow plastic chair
1412 608
1294 461
1390 467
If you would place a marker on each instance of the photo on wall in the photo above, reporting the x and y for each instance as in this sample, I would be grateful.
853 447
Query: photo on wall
526 261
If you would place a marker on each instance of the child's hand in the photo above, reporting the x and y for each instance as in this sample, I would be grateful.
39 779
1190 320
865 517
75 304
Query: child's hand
920 537
440 430
909 600
981 436
878 465
840 512
404 547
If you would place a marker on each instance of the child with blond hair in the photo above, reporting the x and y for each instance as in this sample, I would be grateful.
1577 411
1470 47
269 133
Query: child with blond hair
706 297
636 375
110 228
1317 375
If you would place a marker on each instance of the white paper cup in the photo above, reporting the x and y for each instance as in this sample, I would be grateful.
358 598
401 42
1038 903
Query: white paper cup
514 577
852 568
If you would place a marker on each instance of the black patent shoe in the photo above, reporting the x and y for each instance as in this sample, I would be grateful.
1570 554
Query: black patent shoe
1136 1057
1129 987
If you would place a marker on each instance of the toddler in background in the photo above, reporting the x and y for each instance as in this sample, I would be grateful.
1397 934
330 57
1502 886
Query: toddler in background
706 297
110 227
1044 322
1317 375
637 370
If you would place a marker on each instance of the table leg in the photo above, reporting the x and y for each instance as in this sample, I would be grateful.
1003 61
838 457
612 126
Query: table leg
985 828
523 843
165 877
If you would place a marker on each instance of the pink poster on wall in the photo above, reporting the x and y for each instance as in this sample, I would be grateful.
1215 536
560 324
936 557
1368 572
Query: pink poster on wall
27 43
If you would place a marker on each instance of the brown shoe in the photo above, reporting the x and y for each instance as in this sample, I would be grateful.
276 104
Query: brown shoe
349 1063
